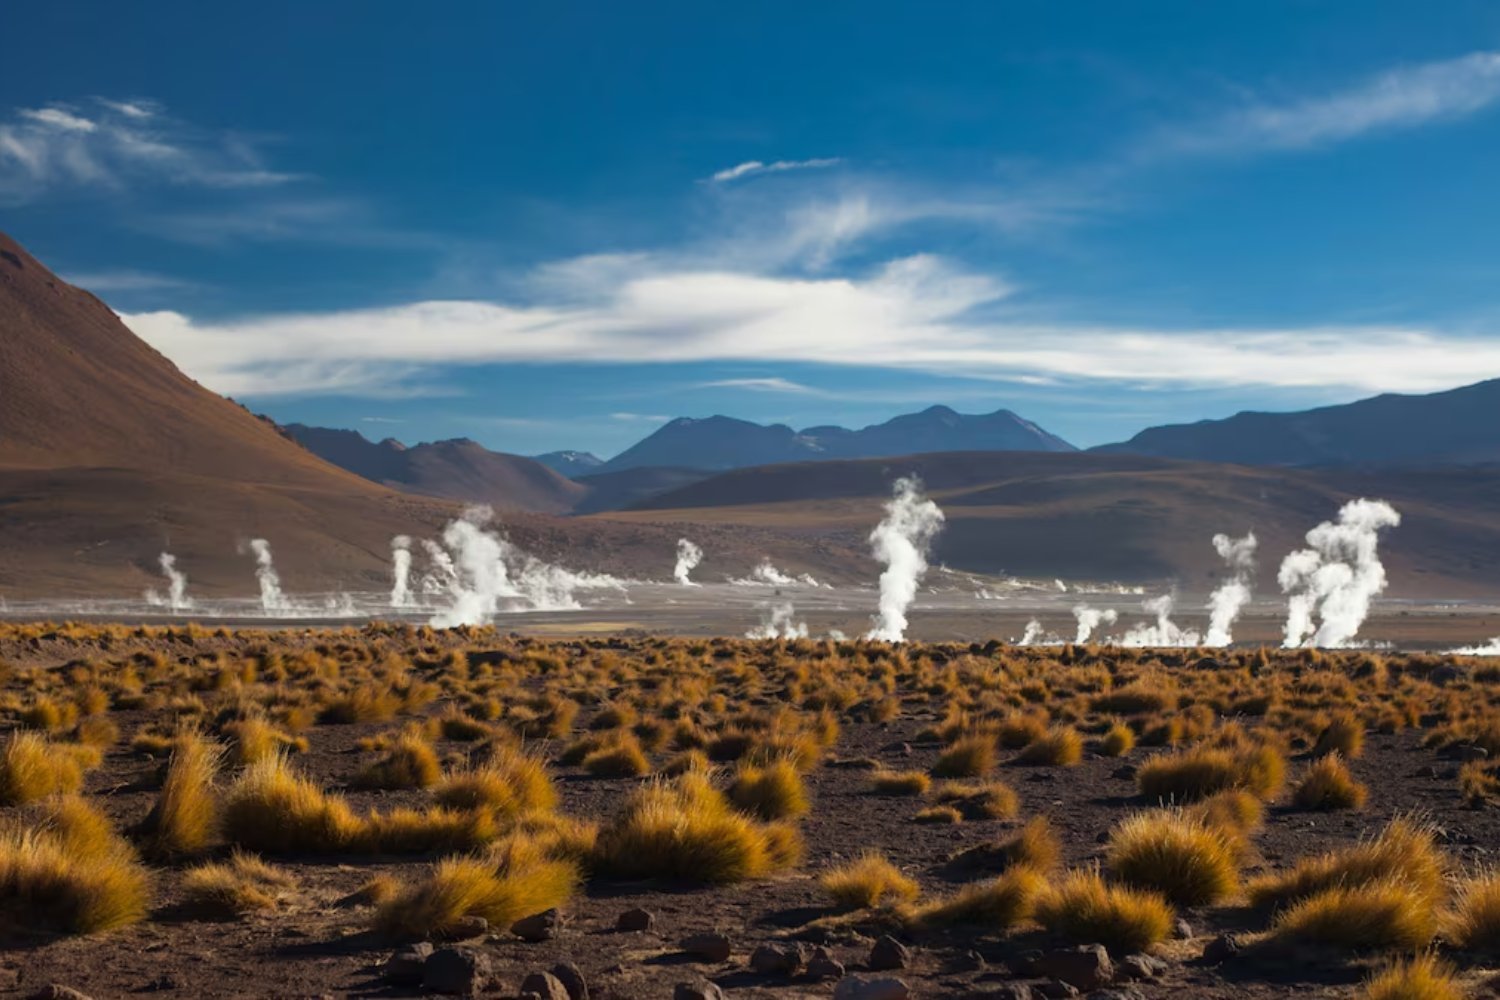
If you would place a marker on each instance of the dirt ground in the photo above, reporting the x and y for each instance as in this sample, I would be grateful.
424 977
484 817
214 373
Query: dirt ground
317 947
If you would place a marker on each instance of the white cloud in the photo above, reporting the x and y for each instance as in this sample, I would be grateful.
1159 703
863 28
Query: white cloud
1400 98
125 280
916 313
760 385
114 145
751 168
639 418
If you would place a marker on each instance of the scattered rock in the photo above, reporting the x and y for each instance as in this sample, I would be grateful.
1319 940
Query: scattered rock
55 991
880 988
711 947
545 986
537 928
823 965
777 959
1221 949
571 976
1141 966
889 954
456 971
1010 991
970 961
405 967
466 929
1086 966
636 920
1056 989
700 990
1182 930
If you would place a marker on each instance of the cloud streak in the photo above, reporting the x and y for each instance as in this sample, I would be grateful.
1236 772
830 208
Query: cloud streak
752 168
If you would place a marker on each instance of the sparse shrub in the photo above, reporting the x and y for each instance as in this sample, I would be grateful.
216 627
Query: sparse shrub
1378 915
884 782
1189 863
1344 736
410 763
1085 908
79 878
1118 741
1060 746
473 887
1475 921
1422 977
867 881
624 759
1405 852
242 885
1329 785
993 905
32 768
185 817
1203 771
771 792
967 757
989 800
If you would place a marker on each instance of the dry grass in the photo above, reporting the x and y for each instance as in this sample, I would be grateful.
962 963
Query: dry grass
1377 915
185 817
869 880
1060 746
509 783
900 782
1188 862
1420 978
996 904
243 884
988 800
1118 741
1203 771
967 757
501 892
273 810
1328 785
1086 909
1405 852
772 792
71 874
32 768
410 763
1344 736
622 759
1474 923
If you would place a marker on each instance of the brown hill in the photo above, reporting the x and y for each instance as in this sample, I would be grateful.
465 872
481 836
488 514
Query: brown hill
1118 517
109 454
459 469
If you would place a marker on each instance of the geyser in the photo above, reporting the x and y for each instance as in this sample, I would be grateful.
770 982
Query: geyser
1164 631
1225 603
176 596
401 571
1336 577
901 541
272 600
1090 619
688 557
779 622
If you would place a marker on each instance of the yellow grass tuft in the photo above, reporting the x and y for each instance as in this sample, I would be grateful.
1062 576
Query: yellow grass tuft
185 817
1328 785
1405 852
1085 908
997 904
242 885
867 881
473 887
1118 741
1380 915
272 809
71 874
621 759
967 757
1475 921
1203 771
410 763
509 783
988 800
1420 978
1189 863
884 782
1060 746
774 791
32 768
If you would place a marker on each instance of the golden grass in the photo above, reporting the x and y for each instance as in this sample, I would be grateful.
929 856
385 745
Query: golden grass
967 757
32 768
243 884
185 817
1328 785
501 893
1422 977
774 791
869 880
987 800
1118 741
1404 852
1376 915
1060 746
1200 772
410 763
1344 736
71 874
1474 923
996 904
1186 861
271 809
509 783
623 759
884 782
1086 909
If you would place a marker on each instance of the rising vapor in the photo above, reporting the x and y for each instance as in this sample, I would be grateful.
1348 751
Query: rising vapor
901 541
272 600
401 572
1163 632
779 622
1226 602
1091 618
688 557
176 596
1336 577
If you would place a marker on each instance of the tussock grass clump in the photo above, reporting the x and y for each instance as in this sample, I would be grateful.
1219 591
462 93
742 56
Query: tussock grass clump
1085 908
379 890
32 768
255 739
1203 771
1188 862
1377 915
1344 736
1034 846
1118 741
868 881
1234 812
411 762
1422 977
774 791
509 783
989 800
1060 746
687 830
994 905
1475 921
369 703
423 831
1328 785
185 817
71 874
1405 852
939 814
967 757
273 810
241 885
501 892
884 782
623 759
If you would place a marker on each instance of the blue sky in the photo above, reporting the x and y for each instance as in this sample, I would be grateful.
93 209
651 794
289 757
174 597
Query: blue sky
554 225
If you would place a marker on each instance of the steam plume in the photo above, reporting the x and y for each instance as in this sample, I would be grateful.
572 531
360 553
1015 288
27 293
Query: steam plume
1337 576
1033 634
1224 603
1164 632
901 541
688 557
779 623
1090 619
176 597
271 597
401 571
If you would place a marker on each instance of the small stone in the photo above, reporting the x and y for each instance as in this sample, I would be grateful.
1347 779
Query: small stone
456 971
823 965
545 986
571 976
970 961
466 929
889 954
537 928
711 947
862 988
1221 949
404 968
1056 989
700 990
776 960
635 920
1141 966
1087 966
1468 753
56 991
1182 930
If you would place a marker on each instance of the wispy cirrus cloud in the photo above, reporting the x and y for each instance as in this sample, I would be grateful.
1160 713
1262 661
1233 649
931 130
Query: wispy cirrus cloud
772 384
112 145
752 168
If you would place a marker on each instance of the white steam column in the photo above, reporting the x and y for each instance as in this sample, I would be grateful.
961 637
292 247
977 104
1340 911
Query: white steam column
901 542
1336 577
1226 602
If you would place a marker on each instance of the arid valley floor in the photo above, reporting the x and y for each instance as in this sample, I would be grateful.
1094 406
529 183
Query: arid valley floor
1256 823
